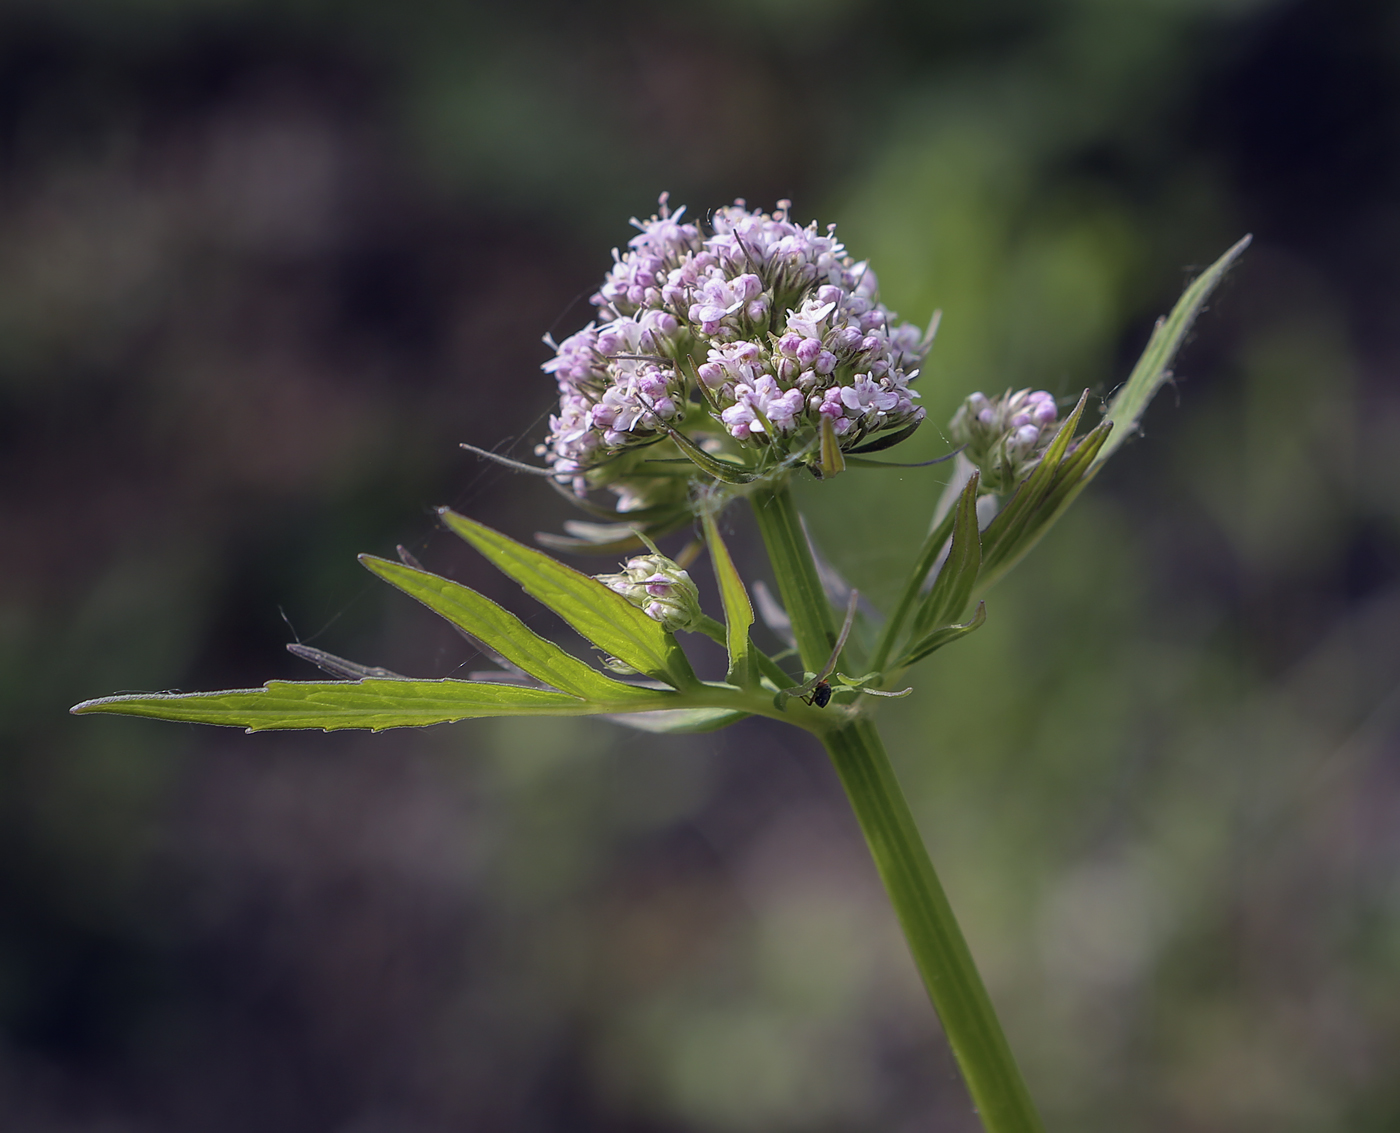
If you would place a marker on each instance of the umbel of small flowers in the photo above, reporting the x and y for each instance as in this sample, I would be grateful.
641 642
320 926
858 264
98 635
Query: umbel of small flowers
750 338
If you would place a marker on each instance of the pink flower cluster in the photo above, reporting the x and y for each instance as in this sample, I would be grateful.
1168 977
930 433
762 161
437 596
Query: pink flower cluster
763 327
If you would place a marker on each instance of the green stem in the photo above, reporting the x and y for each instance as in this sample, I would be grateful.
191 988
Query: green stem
941 953
939 950
796 574
716 632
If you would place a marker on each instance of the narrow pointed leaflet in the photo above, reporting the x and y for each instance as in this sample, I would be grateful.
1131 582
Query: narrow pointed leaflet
738 610
953 587
604 617
335 705
504 633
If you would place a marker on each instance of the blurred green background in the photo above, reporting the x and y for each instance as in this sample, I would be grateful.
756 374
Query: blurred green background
263 265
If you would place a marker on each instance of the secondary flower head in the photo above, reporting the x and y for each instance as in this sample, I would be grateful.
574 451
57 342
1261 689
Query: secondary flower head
745 337
658 586
1005 436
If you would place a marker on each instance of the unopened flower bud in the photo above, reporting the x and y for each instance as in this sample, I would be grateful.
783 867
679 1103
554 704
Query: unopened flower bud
1005 436
1022 440
656 585
848 338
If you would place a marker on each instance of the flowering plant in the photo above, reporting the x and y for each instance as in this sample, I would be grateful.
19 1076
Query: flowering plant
720 366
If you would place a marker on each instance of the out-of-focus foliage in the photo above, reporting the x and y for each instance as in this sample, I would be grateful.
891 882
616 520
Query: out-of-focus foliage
263 265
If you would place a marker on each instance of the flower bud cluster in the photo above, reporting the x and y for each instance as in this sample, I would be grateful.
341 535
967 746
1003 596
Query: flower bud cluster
1005 436
658 586
763 326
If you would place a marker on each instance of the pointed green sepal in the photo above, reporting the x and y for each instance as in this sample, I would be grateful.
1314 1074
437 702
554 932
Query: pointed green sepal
832 460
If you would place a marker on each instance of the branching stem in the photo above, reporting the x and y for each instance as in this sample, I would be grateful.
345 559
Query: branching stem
932 931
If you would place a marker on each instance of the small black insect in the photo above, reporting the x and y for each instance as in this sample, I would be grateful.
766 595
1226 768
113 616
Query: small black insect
817 690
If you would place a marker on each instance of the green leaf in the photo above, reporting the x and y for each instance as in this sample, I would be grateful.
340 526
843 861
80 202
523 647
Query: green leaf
913 584
602 616
334 705
1077 465
953 587
1073 474
942 636
764 664
504 632
679 720
738 610
1151 370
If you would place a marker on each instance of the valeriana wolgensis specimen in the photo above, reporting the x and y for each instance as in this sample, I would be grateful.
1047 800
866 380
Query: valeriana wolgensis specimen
723 363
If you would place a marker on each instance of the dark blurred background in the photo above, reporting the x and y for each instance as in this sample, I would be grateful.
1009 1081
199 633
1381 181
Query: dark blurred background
263 265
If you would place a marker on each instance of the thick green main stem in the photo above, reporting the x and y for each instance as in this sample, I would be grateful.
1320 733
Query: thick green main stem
796 574
936 941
